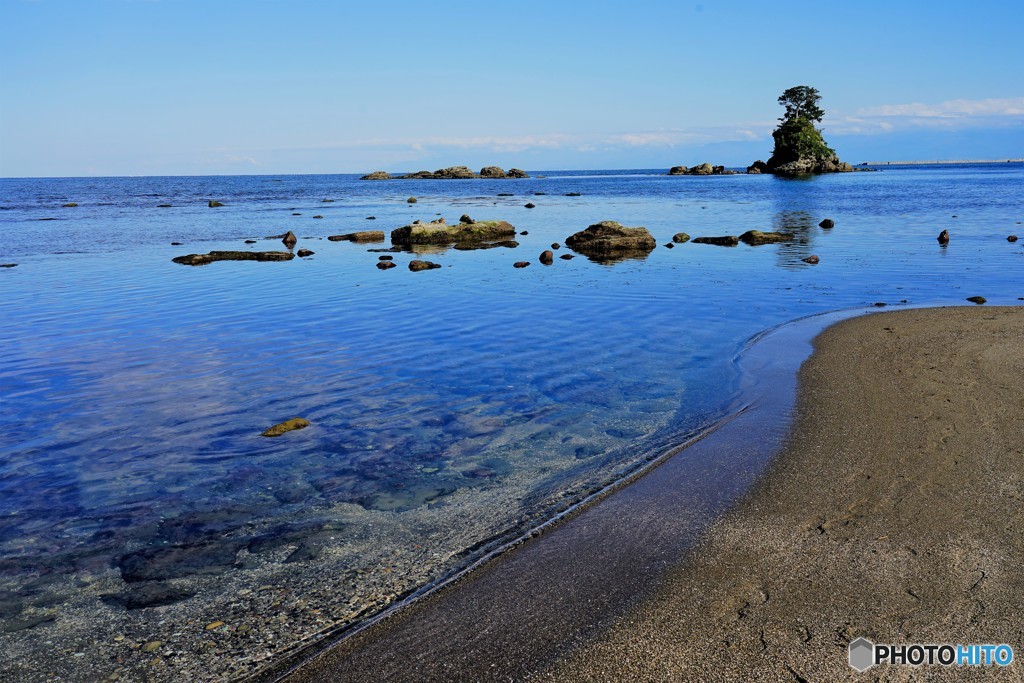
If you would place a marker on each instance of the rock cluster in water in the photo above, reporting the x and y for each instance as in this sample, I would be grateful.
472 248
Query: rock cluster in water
450 173
701 169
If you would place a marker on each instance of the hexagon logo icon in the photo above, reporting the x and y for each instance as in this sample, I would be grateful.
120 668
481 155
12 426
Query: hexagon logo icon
862 654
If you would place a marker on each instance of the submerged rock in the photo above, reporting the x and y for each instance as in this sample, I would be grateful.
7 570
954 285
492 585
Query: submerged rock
70 205
827 224
547 257
163 206
476 246
286 426
721 241
571 194
8 265
756 238
289 239
360 236
411 200
943 237
176 561
812 259
1011 238
203 259
385 265
529 205
147 594
977 299
213 204
611 239
669 245
439 232
567 257
247 242
680 238
377 175
385 257
416 265
303 253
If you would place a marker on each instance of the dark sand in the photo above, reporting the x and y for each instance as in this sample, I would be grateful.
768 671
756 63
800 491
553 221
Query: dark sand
896 513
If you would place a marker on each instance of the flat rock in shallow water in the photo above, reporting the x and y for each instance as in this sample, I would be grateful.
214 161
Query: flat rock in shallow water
203 259
611 239
756 237
361 236
417 265
385 265
286 426
303 253
722 241
439 232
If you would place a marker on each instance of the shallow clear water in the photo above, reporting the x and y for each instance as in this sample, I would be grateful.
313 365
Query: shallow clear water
448 407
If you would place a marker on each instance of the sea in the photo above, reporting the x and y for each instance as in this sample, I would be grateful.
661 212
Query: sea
149 532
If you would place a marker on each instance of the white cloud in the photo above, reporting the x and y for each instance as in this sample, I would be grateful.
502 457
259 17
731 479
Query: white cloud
951 114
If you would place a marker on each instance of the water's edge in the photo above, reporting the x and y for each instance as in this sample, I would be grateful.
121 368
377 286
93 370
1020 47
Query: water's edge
768 363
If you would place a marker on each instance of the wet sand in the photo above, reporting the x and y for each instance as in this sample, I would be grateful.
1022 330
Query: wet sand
896 512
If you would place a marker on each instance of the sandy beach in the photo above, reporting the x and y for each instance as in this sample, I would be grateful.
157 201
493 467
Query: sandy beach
894 514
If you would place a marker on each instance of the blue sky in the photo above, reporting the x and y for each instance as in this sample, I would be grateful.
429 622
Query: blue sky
173 87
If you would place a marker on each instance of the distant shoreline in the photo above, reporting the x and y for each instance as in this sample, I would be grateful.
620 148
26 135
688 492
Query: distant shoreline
940 163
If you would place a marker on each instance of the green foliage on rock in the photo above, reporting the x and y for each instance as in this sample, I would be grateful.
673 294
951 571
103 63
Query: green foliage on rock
799 146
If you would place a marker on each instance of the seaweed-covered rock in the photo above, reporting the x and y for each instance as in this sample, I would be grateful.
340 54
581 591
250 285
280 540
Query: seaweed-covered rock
203 259
377 175
722 241
756 238
286 426
492 172
360 236
147 594
610 239
176 561
416 265
439 232
517 173
680 238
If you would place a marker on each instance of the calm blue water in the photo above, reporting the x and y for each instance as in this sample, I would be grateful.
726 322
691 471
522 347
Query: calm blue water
448 407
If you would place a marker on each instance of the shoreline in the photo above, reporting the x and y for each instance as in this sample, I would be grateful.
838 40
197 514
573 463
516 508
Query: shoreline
893 514
573 558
